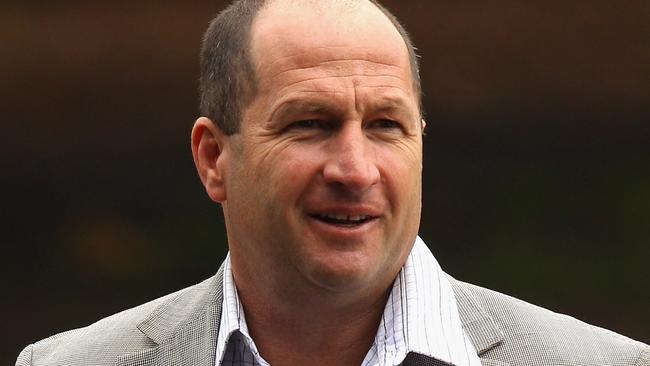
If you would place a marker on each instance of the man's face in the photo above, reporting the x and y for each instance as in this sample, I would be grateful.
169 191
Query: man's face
323 182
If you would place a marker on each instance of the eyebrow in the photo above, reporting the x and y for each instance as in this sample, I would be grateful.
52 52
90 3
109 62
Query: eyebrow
389 104
392 104
300 105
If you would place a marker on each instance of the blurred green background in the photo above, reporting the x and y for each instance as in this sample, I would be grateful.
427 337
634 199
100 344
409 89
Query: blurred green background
537 156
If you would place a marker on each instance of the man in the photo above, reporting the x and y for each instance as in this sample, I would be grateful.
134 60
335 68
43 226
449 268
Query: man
311 141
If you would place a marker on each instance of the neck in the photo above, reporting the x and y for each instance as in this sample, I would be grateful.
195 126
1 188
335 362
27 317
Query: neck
306 327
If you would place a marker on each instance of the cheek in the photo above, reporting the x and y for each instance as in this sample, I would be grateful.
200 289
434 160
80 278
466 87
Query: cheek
282 174
401 172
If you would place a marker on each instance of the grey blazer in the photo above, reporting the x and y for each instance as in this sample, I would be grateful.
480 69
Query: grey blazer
181 329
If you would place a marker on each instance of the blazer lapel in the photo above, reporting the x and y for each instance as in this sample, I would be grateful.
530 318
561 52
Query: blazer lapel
479 326
184 328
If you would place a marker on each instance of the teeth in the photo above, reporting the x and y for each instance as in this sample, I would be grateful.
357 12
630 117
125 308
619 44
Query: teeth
337 217
345 217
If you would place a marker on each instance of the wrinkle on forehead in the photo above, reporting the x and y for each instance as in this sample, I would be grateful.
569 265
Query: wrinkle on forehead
289 63
289 76
352 76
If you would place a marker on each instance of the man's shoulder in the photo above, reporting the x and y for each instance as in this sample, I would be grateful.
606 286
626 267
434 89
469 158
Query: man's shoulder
95 342
103 342
526 334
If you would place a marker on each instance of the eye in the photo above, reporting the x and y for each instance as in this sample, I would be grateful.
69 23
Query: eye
385 124
307 124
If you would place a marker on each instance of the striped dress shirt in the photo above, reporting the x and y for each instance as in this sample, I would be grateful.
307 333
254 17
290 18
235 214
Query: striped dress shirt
420 316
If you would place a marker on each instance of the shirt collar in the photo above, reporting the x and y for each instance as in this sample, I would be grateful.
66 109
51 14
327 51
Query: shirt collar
233 323
421 316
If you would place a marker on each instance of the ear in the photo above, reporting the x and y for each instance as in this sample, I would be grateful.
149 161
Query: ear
424 126
208 144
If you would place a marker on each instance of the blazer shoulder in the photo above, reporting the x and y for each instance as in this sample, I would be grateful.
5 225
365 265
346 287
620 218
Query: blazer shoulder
104 341
533 335
644 358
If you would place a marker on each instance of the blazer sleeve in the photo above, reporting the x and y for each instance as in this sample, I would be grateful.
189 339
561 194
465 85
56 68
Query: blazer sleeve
25 357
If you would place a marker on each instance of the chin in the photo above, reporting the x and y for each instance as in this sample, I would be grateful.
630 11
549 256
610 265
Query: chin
343 275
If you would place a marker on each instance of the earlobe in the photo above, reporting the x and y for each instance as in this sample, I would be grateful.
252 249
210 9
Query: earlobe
208 143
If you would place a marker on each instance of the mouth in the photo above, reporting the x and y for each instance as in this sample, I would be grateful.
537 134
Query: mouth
348 221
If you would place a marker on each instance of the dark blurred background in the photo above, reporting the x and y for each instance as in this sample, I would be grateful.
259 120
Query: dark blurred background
537 156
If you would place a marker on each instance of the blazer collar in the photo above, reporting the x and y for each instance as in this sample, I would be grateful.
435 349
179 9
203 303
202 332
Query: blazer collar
184 327
479 325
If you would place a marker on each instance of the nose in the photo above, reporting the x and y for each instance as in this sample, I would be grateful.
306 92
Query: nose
351 162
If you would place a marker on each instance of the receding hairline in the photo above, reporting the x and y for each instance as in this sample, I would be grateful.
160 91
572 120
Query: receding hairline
320 6
348 6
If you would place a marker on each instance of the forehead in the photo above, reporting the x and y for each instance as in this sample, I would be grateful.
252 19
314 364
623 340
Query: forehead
290 35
